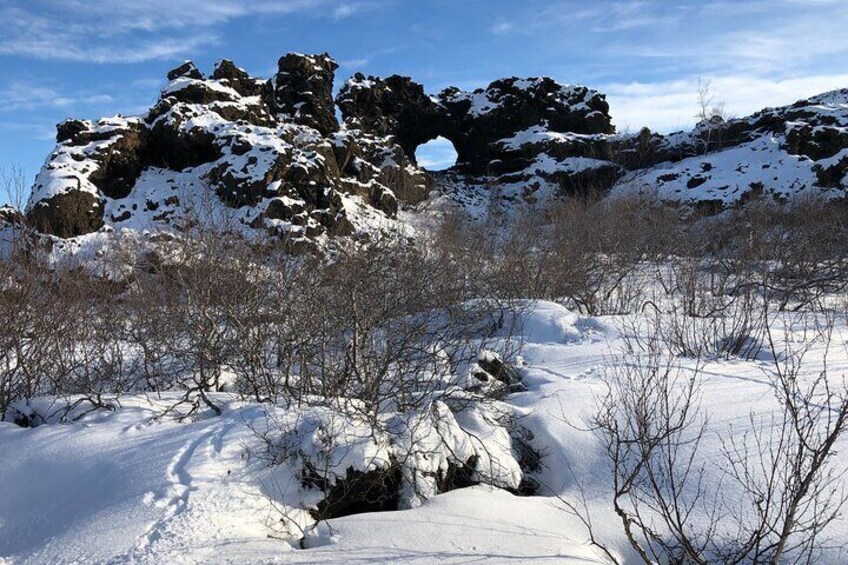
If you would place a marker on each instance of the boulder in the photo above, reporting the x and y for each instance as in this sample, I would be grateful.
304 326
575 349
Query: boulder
492 364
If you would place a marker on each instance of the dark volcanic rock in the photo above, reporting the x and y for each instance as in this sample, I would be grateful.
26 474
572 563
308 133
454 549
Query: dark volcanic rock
368 159
67 215
237 78
9 215
69 130
481 123
303 90
120 163
510 106
187 70
173 147
396 106
273 150
193 91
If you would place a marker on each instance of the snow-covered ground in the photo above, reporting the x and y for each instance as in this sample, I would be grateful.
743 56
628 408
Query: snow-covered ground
124 488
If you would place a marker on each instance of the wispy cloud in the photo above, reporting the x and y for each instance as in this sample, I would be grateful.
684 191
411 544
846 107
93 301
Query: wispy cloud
350 64
133 31
636 14
27 96
502 28
547 16
348 9
359 63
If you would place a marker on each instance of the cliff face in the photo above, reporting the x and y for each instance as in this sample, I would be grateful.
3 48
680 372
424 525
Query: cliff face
273 155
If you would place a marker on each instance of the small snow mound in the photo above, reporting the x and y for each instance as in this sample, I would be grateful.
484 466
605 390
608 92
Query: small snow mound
548 322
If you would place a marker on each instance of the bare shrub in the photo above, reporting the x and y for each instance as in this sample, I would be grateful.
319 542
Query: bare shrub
697 316
650 428
36 332
13 181
593 252
780 488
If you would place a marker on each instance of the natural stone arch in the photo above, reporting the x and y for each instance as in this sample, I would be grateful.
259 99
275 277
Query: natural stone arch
397 106
439 154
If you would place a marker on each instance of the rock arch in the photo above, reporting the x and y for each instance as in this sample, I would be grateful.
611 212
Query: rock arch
478 123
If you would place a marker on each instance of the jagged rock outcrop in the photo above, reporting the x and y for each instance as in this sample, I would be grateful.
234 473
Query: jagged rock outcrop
777 153
531 137
268 149
396 106
482 125
237 78
186 70
10 216
508 107
274 152
303 91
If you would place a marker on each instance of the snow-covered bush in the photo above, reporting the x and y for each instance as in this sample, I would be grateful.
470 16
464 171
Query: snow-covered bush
346 463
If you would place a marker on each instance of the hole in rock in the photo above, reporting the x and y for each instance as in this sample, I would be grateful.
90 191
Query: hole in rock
436 155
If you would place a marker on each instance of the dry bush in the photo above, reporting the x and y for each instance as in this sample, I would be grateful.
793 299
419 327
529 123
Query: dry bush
593 251
37 322
780 486
698 314
393 324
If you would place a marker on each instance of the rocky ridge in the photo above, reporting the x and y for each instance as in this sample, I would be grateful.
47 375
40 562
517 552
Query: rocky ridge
269 151
273 155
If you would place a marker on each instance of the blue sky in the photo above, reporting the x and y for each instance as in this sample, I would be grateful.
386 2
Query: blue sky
89 58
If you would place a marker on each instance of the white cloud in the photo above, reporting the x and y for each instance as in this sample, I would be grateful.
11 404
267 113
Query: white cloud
354 63
672 105
133 31
348 9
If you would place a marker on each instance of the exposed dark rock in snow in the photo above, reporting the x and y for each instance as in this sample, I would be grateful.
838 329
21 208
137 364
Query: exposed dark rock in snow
776 153
68 214
491 367
268 149
186 70
237 78
396 106
478 122
9 215
508 107
357 492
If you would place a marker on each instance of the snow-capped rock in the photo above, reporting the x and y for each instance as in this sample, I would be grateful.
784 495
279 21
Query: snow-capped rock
269 150
274 154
